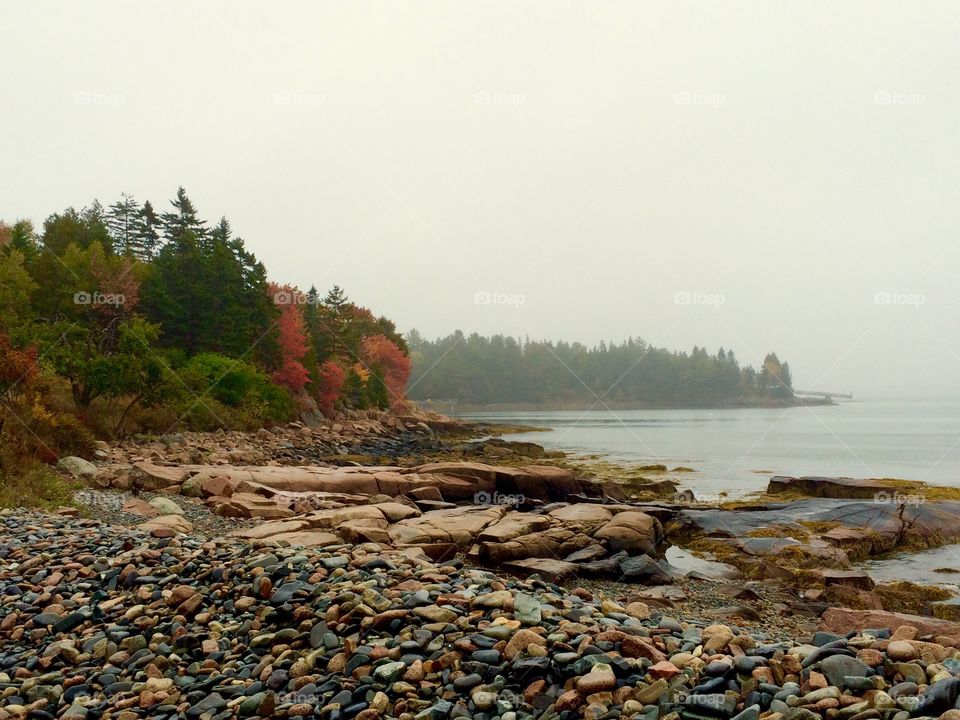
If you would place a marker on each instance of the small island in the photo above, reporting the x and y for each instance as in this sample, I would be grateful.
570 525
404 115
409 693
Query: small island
467 373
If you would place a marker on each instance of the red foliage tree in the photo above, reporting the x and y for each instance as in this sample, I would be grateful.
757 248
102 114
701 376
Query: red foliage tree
330 379
293 341
115 277
380 351
18 370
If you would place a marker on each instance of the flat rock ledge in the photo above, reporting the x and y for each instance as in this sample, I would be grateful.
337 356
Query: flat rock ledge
101 622
543 519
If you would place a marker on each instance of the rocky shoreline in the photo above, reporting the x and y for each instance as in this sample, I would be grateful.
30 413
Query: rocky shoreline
101 623
289 573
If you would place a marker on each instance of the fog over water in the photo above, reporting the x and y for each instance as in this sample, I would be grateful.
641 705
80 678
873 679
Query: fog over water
759 176
736 451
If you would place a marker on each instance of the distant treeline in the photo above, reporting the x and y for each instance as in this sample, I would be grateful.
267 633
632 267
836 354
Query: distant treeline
498 370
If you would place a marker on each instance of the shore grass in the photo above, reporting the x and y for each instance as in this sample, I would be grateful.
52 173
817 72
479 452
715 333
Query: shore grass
35 485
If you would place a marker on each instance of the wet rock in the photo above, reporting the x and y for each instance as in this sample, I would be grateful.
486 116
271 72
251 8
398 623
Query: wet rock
643 569
825 487
837 667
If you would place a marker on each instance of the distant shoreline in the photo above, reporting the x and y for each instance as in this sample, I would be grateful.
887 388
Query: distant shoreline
458 408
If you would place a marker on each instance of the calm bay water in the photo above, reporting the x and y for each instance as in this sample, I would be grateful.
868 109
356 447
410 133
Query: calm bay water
735 450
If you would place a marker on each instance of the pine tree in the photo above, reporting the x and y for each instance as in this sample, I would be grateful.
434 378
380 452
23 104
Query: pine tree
23 239
182 220
121 221
207 292
336 298
147 231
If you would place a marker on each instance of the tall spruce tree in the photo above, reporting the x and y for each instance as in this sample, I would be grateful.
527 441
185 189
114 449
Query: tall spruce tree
147 231
207 292
121 221
182 220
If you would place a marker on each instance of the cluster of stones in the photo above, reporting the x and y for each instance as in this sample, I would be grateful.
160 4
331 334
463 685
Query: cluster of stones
417 507
364 433
101 622
518 517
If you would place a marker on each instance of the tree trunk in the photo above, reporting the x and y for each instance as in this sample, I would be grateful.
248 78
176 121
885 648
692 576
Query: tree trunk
123 415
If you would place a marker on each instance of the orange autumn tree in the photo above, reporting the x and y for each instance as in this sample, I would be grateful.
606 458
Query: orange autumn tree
330 379
292 339
382 353
18 371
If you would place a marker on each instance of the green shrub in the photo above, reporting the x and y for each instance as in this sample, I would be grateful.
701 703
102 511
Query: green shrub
225 391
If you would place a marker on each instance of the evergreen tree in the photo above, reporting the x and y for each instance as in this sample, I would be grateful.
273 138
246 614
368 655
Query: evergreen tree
182 222
336 298
207 292
121 221
147 231
23 239
55 283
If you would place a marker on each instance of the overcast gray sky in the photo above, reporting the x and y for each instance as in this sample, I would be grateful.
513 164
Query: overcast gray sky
755 175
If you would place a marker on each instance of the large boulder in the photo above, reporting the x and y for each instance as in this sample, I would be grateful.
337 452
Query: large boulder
634 532
166 506
395 511
460 525
364 530
245 505
584 517
450 487
541 482
556 542
644 569
78 467
221 485
513 525
147 476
